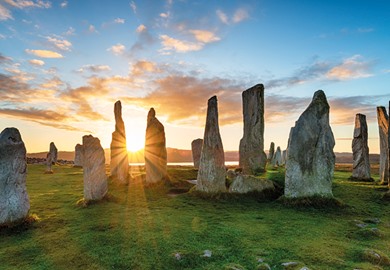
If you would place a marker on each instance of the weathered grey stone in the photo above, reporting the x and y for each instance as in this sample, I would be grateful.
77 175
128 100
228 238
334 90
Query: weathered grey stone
284 156
252 158
53 152
360 151
310 157
119 164
248 183
95 179
212 171
155 150
78 156
196 147
388 151
271 151
383 122
277 158
14 201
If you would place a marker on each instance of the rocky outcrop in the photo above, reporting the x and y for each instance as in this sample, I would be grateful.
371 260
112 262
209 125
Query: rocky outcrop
78 156
383 124
277 158
271 151
119 164
248 183
310 157
212 171
155 150
14 201
360 151
252 158
95 179
196 147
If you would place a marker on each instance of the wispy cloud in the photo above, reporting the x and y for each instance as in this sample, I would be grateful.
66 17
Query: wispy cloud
365 29
204 36
60 43
350 68
64 4
222 16
143 66
92 29
133 7
117 49
28 3
144 39
141 28
70 32
36 62
241 14
5 14
181 46
44 53
119 21
95 68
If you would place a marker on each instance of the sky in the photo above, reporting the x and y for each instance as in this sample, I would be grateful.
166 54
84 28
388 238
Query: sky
63 64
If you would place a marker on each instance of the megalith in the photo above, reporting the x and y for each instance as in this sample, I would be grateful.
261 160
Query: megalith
212 171
14 200
252 158
119 164
196 148
78 156
277 158
155 149
284 156
53 152
383 124
310 157
271 151
360 151
95 179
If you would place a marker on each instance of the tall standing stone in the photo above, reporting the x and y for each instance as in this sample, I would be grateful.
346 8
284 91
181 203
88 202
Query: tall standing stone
53 152
360 151
14 201
310 157
284 156
95 179
252 158
196 147
78 156
155 149
277 158
212 171
383 122
271 151
119 164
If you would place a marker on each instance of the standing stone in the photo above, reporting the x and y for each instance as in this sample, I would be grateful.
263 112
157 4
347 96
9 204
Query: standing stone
360 151
284 156
155 149
14 201
277 158
119 164
53 152
78 156
310 157
383 122
271 151
212 171
252 158
196 147
95 179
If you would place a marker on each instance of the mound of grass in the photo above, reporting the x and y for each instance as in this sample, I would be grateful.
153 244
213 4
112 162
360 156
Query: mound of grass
314 201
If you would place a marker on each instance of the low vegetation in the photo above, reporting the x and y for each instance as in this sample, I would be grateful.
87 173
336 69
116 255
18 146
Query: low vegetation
162 227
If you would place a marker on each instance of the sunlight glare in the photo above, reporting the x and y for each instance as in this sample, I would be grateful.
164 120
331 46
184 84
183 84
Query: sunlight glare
135 142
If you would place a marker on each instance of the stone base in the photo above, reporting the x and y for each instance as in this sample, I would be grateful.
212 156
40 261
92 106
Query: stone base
356 179
315 201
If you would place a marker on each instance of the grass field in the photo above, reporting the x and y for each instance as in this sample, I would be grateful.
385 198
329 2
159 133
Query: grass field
152 228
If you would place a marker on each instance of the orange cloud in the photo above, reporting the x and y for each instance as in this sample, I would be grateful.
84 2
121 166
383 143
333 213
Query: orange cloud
204 36
117 49
350 68
36 62
44 53
172 44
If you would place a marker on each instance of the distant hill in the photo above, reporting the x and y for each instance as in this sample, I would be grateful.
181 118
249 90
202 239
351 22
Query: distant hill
180 155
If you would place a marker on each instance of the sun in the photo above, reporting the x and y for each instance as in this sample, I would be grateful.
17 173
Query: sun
135 142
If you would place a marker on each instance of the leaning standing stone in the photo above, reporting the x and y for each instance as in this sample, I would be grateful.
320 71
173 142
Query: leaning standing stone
271 151
310 157
53 152
78 156
155 150
196 147
119 164
252 158
95 179
360 151
14 201
383 122
212 171
277 158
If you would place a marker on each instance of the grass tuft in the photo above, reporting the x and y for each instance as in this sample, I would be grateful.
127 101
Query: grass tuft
313 202
375 257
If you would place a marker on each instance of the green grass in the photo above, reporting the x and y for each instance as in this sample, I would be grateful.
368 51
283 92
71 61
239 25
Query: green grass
143 228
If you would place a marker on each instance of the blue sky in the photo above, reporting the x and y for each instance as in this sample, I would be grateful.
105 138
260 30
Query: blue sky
63 64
